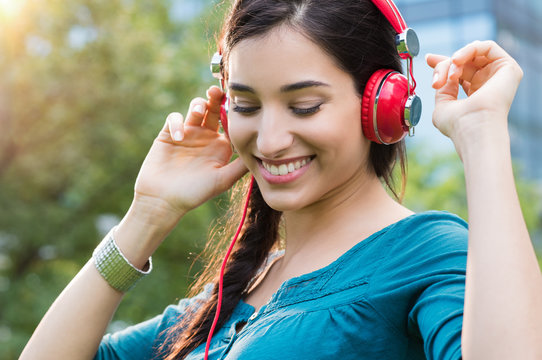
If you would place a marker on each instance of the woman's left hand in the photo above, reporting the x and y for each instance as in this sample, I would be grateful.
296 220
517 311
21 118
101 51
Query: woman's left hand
503 289
489 77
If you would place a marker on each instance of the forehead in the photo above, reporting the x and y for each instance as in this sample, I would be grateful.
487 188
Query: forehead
282 56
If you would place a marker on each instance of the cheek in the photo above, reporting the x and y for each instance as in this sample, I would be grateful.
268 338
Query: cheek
240 134
344 135
345 123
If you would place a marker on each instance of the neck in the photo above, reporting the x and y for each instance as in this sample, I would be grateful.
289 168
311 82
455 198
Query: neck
330 227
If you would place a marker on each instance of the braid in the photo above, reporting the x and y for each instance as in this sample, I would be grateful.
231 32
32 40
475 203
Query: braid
360 51
260 234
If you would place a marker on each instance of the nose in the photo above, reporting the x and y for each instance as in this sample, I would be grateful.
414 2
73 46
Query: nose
274 134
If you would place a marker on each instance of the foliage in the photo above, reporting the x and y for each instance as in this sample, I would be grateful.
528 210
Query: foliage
436 181
85 86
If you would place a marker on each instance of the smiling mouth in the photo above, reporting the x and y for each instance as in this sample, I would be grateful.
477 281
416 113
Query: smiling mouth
286 168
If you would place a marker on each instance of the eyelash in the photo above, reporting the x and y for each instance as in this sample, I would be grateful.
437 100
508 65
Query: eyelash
297 111
305 111
245 110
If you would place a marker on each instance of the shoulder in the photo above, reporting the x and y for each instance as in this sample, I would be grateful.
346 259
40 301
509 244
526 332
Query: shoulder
430 230
423 256
432 242
415 238
430 221
435 238
429 244
417 248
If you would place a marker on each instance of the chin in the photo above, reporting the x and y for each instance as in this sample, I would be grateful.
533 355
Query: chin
284 202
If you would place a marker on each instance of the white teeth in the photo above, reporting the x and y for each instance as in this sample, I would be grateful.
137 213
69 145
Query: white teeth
291 167
285 169
274 170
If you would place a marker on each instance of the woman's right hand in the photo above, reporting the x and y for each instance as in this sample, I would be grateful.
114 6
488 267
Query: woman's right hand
177 175
189 161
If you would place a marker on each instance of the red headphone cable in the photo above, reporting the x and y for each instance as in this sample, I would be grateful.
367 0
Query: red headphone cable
410 64
221 279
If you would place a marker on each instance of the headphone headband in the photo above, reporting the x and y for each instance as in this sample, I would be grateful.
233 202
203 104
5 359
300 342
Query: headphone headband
390 11
406 40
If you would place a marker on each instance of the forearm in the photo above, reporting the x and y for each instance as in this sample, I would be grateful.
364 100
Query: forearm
74 325
77 320
503 300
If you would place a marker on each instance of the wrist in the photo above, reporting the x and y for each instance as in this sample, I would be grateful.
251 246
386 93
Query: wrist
143 228
477 139
114 267
154 212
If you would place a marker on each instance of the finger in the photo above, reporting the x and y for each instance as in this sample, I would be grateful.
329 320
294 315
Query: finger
447 92
476 55
174 126
433 59
232 172
467 71
440 74
211 121
445 99
486 49
466 85
196 112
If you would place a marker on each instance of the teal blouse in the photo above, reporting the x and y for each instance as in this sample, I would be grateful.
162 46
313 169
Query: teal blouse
398 294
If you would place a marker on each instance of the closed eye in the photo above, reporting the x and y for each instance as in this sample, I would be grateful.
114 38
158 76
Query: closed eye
247 110
305 111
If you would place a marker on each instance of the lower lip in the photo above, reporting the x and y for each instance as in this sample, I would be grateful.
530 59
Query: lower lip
283 179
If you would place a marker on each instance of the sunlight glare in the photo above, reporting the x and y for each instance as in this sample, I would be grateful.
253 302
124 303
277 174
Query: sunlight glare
10 8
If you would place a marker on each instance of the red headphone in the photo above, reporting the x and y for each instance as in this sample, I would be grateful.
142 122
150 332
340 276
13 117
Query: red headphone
389 107
389 110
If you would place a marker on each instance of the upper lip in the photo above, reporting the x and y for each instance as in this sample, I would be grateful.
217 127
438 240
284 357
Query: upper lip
283 161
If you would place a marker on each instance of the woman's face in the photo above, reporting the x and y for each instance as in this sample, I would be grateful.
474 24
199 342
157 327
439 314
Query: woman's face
294 119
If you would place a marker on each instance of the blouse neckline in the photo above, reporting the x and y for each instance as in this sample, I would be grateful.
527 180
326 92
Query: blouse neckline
318 276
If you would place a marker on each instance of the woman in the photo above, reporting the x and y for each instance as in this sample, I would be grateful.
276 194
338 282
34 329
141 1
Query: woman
359 276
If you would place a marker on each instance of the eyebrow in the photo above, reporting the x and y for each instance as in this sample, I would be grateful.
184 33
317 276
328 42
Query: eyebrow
301 85
241 88
286 88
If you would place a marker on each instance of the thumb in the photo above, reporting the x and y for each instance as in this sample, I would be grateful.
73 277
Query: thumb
230 173
446 106
448 92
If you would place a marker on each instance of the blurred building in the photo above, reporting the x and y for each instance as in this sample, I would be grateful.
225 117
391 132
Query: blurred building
446 25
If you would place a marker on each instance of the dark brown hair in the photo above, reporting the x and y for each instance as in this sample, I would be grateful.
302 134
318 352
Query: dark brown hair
360 40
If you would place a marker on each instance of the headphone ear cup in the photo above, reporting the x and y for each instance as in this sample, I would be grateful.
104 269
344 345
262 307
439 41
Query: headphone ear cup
224 107
383 107
367 104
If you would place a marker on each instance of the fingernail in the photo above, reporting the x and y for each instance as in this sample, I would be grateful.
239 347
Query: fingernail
435 78
175 116
198 108
177 136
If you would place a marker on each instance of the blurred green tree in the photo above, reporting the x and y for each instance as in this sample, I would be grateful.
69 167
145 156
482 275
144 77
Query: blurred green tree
85 86
436 181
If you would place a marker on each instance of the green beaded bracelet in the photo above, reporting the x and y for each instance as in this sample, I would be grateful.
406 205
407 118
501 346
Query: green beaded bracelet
115 268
